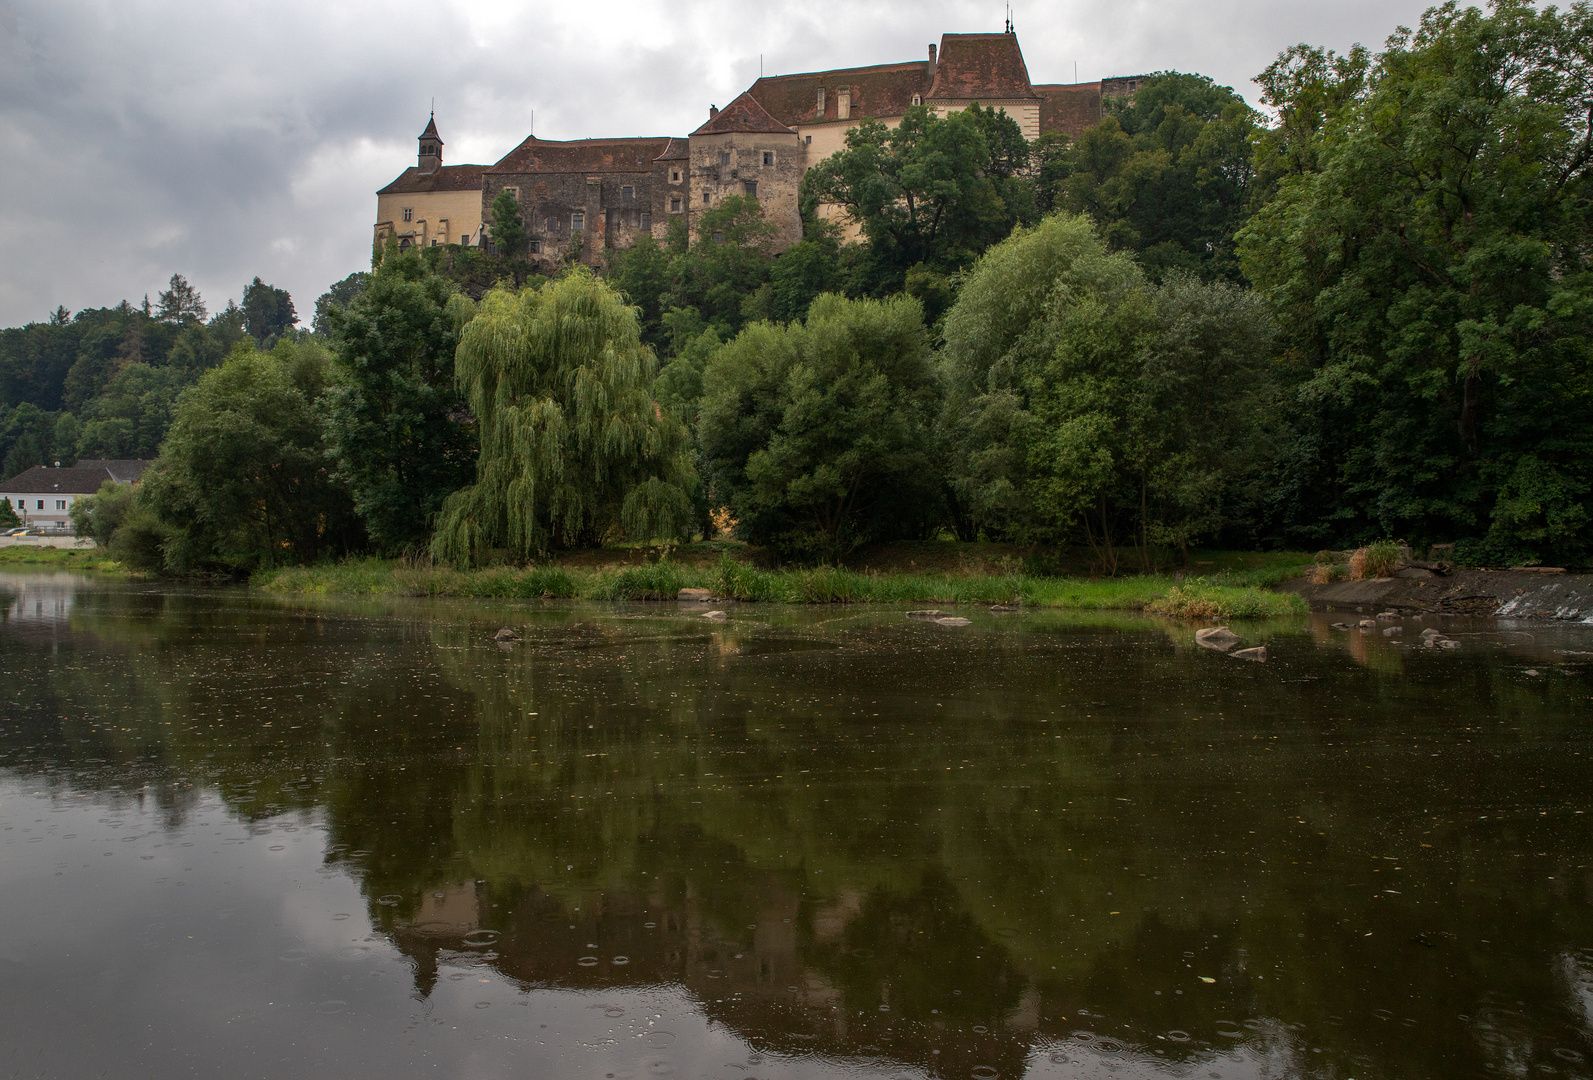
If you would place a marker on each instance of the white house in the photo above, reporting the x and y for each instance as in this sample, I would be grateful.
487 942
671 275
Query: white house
43 496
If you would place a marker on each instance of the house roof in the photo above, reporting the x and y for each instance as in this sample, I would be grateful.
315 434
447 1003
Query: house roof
41 480
743 115
431 130
881 90
122 470
586 155
980 67
444 178
1069 108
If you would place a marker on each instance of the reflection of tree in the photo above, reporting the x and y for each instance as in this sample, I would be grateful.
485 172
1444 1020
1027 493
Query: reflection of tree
877 816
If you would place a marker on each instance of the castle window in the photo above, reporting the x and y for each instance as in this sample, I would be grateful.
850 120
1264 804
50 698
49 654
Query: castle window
553 224
751 187
536 247
404 244
719 237
578 220
647 221
810 140
627 193
674 176
705 198
409 213
674 204
514 193
768 157
724 157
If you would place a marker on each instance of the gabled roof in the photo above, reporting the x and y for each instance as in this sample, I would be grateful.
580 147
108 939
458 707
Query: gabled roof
122 470
676 150
41 480
1069 107
881 90
743 115
445 178
586 155
431 130
978 67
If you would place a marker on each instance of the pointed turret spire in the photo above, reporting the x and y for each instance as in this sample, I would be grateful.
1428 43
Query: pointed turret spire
431 145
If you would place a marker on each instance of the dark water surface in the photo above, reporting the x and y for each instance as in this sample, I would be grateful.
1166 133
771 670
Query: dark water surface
249 837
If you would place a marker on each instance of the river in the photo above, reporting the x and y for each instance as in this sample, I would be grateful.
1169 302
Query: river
248 836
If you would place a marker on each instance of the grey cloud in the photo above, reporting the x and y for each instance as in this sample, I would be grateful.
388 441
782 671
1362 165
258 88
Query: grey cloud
223 141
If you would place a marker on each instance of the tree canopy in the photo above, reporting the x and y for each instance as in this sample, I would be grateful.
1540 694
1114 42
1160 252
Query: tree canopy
573 448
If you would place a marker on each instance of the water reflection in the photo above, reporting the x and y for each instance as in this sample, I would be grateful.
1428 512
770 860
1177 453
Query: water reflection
1041 845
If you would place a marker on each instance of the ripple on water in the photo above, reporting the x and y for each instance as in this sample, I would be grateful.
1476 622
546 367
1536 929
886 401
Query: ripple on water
331 1008
1177 1036
478 939
983 1072
658 1040
587 961
390 900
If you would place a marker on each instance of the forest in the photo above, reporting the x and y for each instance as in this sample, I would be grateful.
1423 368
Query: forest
1362 312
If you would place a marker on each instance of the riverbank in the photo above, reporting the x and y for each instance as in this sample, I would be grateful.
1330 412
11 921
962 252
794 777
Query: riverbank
1224 596
1516 594
60 558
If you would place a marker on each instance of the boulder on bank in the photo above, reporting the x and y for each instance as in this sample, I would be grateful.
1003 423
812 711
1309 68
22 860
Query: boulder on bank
1219 638
695 595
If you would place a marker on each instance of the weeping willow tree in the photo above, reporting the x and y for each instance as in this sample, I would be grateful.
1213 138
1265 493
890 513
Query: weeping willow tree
574 451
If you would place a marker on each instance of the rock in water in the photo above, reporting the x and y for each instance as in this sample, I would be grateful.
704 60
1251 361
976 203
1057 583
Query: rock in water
506 635
929 613
1431 633
1342 626
714 615
1392 630
697 595
1216 637
1448 643
1259 654
1004 609
1367 624
952 620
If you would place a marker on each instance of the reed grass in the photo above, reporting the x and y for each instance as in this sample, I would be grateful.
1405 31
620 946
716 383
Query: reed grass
1226 595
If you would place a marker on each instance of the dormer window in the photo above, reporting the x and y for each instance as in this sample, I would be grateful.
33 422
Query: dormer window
918 99
843 105
818 108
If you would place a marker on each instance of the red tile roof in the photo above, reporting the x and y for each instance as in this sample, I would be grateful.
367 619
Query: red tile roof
587 155
980 67
882 90
446 178
743 115
1069 107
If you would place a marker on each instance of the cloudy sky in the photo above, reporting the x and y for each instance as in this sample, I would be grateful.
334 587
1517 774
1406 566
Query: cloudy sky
224 139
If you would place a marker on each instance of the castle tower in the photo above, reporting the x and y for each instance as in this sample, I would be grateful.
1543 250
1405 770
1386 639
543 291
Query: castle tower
430 148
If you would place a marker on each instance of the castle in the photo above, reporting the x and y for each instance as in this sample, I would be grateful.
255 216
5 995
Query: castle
608 192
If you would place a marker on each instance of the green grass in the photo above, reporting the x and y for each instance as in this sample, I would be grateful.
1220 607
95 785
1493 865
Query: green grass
1227 595
61 558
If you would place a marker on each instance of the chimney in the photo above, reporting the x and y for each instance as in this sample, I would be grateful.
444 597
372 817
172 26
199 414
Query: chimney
713 111
931 60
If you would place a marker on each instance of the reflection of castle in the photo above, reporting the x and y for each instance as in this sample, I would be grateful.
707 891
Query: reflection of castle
586 196
796 977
